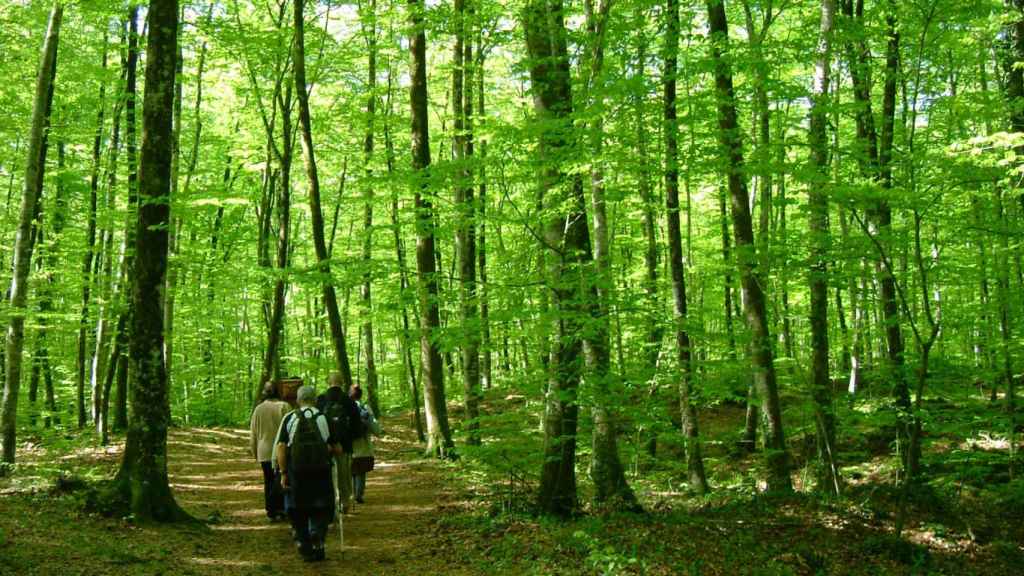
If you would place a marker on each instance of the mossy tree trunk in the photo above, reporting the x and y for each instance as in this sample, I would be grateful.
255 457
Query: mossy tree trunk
142 478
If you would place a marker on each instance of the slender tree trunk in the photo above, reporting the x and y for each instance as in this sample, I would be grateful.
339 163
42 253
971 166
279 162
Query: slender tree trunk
465 236
281 182
1015 98
655 328
439 438
317 218
50 279
403 274
116 370
487 374
176 222
787 322
818 197
727 281
762 134
688 414
128 271
143 474
875 162
370 31
35 167
776 455
90 248
606 468
1005 322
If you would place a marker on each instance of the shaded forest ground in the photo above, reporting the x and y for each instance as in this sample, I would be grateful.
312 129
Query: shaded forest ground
472 516
44 530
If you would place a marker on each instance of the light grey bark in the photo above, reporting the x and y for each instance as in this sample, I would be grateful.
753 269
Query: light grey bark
35 167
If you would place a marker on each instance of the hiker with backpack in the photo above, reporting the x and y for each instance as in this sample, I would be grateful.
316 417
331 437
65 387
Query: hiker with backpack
343 419
305 450
263 428
362 447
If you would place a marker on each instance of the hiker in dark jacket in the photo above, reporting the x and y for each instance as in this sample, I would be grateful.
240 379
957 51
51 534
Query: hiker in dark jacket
343 417
304 452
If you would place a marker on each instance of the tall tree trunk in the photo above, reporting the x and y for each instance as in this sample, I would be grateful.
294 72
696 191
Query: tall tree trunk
281 103
729 135
486 360
762 134
57 221
103 262
1005 322
655 328
130 235
818 191
606 468
143 474
439 438
688 414
727 260
1015 97
876 163
410 368
316 214
90 247
370 31
787 323
35 167
176 222
566 242
116 372
465 235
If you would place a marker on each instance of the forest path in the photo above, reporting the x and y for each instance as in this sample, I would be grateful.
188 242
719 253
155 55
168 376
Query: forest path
214 477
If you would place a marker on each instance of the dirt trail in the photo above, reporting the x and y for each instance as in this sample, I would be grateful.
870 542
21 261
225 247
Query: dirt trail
214 477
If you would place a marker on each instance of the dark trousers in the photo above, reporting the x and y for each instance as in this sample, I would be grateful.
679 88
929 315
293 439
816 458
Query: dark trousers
310 525
359 482
273 498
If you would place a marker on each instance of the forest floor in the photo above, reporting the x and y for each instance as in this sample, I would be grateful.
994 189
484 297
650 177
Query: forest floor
217 482
424 517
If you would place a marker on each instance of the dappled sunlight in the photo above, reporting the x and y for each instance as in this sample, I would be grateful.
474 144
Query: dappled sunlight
217 488
176 462
207 447
986 441
190 499
249 513
214 479
232 476
224 562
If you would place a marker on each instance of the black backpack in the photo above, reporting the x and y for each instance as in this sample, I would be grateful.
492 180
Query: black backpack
342 417
308 449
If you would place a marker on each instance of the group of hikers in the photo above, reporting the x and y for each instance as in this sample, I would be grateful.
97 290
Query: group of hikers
310 452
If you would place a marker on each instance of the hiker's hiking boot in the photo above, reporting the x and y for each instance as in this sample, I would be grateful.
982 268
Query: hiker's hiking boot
307 552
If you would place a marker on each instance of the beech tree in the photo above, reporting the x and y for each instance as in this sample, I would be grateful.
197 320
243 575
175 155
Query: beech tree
35 169
761 355
143 475
439 438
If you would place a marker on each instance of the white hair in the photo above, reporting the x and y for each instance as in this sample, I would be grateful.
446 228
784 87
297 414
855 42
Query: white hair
306 395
